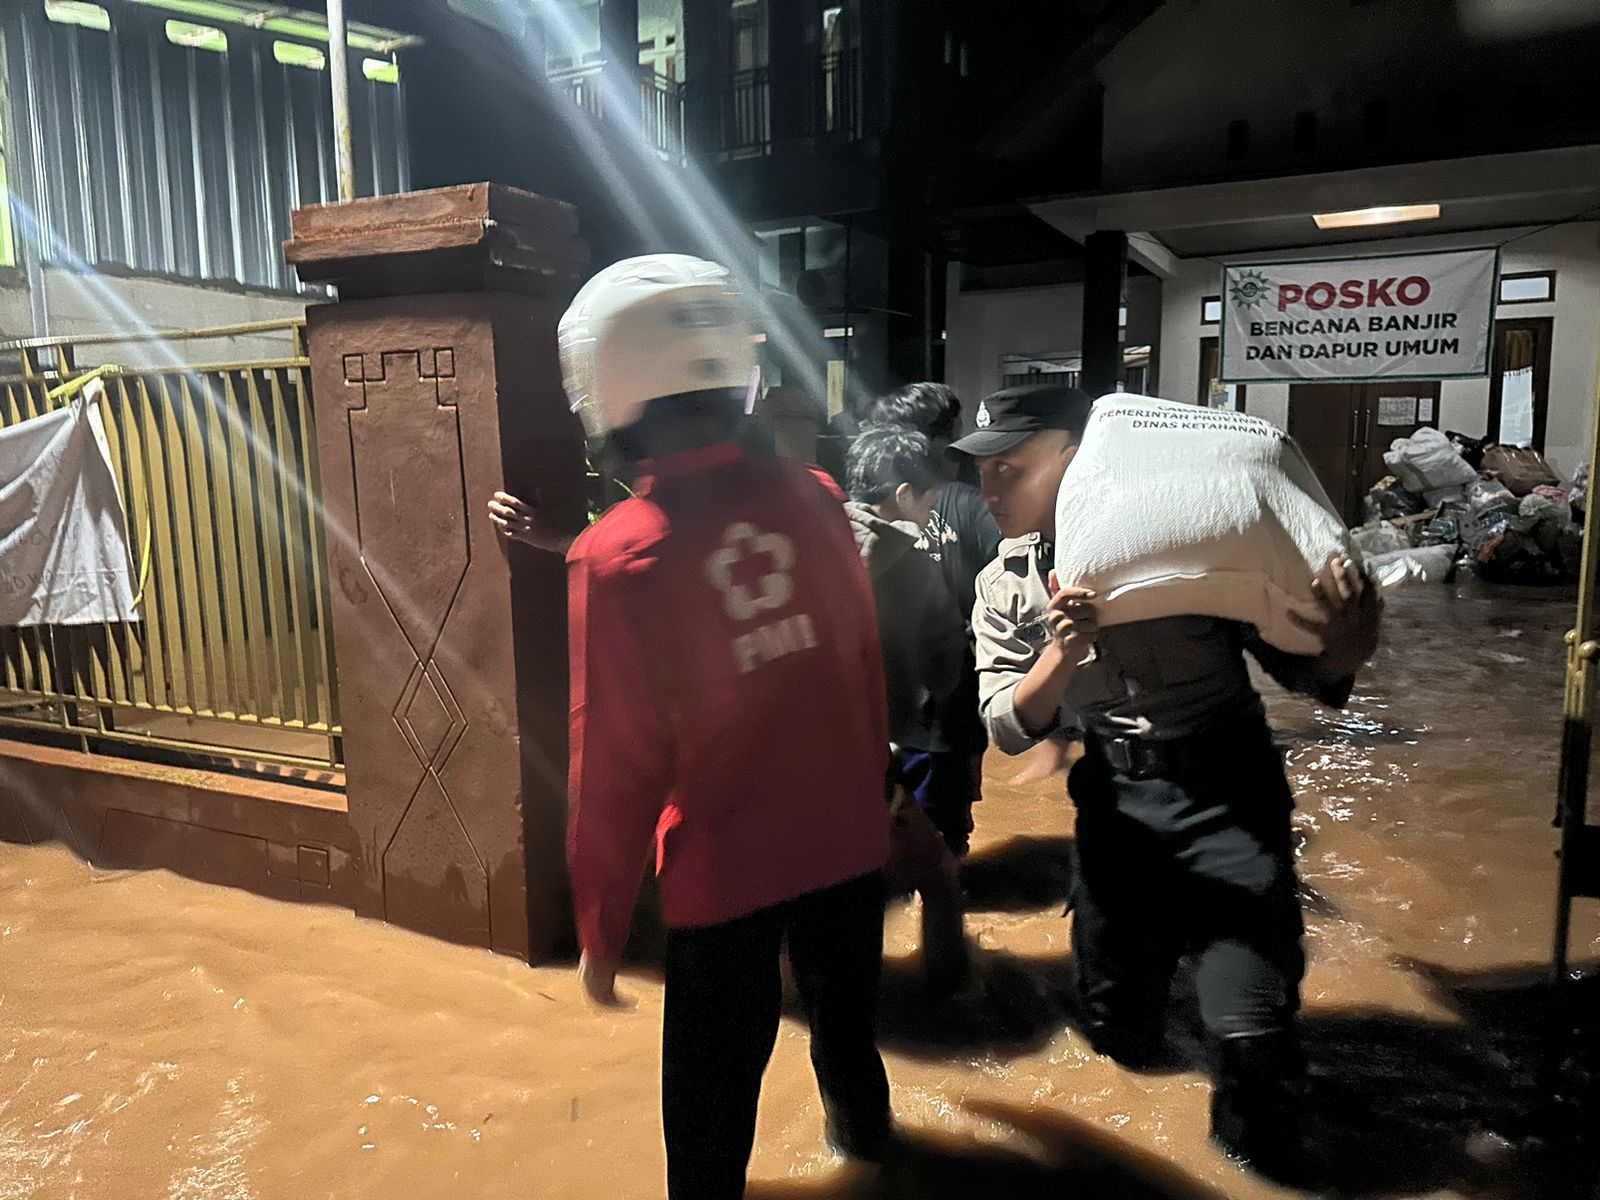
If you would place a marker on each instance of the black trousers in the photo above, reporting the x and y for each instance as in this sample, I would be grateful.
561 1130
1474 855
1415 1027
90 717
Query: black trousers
723 1002
1197 861
944 784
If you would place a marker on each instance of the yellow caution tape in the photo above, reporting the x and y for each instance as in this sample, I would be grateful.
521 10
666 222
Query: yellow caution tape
72 387
144 564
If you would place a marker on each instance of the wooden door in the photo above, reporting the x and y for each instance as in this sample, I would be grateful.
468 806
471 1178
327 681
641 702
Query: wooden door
1521 347
1322 419
1344 428
1389 411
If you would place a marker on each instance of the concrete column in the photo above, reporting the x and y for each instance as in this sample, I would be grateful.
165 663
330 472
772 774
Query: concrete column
938 314
619 43
912 292
705 70
1105 255
913 153
436 383
880 70
791 75
796 421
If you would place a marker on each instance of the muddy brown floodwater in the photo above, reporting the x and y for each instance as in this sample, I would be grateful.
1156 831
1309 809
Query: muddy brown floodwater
164 1038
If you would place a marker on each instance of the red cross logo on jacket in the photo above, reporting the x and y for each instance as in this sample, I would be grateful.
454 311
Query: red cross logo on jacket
751 570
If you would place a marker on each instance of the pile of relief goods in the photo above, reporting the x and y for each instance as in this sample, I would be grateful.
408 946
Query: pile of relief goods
1455 501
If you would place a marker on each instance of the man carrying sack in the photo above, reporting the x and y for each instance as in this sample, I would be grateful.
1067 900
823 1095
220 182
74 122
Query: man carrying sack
1183 808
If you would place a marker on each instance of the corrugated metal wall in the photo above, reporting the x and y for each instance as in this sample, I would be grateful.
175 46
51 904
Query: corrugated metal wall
137 152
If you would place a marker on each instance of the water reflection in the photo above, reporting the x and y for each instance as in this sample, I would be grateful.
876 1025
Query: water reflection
167 1038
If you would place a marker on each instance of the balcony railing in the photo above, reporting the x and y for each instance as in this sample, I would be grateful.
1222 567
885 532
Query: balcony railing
661 111
660 103
745 113
835 110
582 86
829 103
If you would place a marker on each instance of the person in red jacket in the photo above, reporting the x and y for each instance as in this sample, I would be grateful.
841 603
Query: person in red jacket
728 703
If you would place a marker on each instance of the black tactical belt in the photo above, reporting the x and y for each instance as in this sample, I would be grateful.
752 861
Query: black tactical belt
1140 758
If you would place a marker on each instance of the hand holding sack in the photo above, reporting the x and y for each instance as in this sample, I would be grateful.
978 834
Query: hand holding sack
1170 510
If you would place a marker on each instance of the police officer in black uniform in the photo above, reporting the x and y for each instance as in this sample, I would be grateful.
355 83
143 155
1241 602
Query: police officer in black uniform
1183 808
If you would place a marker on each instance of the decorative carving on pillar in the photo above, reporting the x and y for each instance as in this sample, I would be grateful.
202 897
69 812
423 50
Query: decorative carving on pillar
411 527
435 388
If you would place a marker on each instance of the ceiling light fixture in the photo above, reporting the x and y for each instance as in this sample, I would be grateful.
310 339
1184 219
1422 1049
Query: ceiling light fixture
1388 214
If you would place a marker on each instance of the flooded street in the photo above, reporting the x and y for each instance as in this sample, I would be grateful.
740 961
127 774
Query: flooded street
165 1038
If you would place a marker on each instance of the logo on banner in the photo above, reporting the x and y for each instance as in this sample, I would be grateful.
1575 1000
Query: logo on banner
1250 288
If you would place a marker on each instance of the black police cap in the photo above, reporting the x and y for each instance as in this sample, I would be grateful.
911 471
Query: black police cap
1012 415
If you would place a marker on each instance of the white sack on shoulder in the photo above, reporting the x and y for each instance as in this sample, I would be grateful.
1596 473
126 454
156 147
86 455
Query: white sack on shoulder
1171 510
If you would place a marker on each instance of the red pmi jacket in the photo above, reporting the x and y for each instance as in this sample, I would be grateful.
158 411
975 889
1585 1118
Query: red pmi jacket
727 697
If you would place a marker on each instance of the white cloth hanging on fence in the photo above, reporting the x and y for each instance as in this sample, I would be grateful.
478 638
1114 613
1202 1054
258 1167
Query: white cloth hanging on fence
64 555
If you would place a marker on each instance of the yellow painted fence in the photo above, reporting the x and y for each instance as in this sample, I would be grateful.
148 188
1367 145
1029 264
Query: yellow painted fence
233 656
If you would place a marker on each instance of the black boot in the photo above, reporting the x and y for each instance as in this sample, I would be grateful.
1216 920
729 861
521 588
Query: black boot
1255 1109
873 1145
1140 1047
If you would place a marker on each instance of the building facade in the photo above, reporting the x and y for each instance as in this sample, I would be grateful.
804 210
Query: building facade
152 156
987 194
1481 110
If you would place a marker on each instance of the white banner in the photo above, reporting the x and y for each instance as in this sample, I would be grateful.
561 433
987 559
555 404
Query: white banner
1407 316
63 538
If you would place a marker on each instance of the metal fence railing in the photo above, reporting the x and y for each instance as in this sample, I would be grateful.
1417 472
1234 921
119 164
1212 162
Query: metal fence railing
582 85
233 655
660 103
745 112
836 100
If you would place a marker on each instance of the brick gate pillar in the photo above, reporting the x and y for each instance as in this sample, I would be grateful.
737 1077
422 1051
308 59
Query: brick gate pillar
436 383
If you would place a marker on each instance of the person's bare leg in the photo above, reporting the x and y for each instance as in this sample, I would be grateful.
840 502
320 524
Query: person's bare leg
921 861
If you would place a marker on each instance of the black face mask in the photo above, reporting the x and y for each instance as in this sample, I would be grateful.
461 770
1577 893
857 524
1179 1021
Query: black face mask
755 437
672 424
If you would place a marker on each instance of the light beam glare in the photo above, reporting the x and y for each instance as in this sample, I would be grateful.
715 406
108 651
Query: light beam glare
715 231
122 318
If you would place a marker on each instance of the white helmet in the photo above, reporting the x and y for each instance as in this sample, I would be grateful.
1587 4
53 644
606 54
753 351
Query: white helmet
649 327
